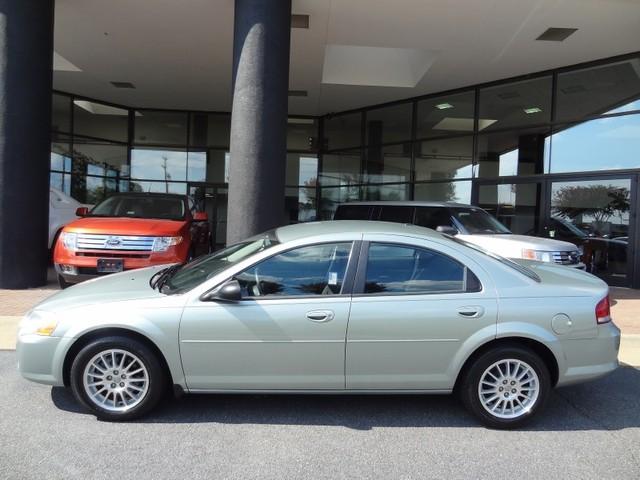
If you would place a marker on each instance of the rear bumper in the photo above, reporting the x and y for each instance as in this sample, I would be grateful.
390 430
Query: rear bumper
588 359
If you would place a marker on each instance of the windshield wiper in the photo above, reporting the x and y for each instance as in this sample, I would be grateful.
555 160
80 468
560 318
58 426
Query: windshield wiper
161 277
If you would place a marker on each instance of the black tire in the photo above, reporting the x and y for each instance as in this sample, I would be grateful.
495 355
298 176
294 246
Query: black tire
157 378
63 283
469 387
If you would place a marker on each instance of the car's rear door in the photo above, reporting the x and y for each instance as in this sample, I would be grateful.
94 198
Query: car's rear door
415 310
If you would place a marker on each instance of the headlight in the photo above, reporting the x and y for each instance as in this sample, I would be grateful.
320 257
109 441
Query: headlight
537 255
69 240
38 323
162 244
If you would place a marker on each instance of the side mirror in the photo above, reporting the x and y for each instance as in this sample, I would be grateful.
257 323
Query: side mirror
229 292
447 230
200 217
82 211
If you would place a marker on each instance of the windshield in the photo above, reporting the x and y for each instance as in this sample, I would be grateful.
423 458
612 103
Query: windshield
476 221
505 261
203 268
170 207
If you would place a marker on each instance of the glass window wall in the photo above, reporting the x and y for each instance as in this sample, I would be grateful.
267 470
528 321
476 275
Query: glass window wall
343 131
156 127
517 104
594 91
446 115
389 124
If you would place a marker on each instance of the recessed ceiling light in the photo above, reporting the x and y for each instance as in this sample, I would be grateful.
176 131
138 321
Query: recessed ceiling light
298 93
123 84
556 34
532 110
299 21
443 106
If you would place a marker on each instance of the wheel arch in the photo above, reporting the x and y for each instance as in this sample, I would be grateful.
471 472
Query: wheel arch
92 335
536 346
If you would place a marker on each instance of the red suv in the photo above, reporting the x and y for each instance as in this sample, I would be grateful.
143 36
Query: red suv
127 231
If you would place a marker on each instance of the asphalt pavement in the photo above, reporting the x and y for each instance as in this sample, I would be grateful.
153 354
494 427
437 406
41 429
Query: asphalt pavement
587 431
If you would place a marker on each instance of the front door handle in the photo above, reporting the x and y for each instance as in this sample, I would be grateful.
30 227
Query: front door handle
320 316
471 311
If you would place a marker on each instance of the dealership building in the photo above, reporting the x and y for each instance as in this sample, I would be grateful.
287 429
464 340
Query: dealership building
269 112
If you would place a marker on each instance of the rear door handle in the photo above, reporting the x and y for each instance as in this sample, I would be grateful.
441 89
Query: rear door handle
320 316
471 312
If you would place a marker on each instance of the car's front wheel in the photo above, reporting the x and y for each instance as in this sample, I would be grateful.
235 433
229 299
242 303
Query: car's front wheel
117 378
505 387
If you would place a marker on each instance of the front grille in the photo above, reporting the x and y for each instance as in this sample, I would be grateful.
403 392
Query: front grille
566 258
112 255
92 241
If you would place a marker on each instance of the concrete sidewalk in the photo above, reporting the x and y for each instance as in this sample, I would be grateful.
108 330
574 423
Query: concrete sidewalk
625 311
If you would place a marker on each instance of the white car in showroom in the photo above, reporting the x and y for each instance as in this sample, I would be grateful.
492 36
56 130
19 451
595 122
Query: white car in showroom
469 223
62 210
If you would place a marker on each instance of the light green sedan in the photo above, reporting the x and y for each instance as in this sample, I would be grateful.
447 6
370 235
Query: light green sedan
328 307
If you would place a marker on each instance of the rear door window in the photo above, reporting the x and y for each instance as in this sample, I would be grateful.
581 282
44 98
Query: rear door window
396 269
433 217
396 214
353 212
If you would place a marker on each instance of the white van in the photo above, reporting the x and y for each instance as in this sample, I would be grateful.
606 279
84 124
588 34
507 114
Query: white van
466 222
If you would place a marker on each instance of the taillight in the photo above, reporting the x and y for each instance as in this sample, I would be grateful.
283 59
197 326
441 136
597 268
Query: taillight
603 310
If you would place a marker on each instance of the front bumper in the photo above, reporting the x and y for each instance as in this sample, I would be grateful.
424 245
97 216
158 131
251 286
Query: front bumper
85 262
591 358
41 358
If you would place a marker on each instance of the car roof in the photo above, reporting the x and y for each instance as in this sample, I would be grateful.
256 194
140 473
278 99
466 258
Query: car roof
412 203
311 229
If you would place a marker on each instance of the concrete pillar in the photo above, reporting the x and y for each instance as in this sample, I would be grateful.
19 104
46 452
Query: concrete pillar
26 59
259 116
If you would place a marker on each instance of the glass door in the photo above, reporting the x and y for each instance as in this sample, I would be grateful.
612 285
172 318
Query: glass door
212 199
595 214
516 205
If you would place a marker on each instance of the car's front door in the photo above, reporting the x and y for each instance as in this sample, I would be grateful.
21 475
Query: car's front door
287 333
413 309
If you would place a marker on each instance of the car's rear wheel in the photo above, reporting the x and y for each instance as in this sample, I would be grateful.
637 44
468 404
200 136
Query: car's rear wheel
117 378
505 387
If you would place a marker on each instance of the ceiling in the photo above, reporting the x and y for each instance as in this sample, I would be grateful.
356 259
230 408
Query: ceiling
178 54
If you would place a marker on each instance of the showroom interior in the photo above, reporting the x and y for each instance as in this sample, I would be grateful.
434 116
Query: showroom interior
543 132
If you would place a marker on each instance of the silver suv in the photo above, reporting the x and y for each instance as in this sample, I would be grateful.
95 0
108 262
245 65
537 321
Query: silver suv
469 223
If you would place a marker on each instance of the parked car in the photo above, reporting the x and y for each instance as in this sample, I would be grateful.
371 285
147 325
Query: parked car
128 231
601 255
328 307
62 210
469 223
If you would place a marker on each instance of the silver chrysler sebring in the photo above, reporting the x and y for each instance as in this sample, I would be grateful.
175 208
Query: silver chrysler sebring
328 307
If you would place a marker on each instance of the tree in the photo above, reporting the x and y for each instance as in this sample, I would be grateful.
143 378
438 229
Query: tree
598 201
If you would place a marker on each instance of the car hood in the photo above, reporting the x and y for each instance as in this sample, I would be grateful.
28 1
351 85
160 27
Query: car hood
491 242
119 287
126 226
